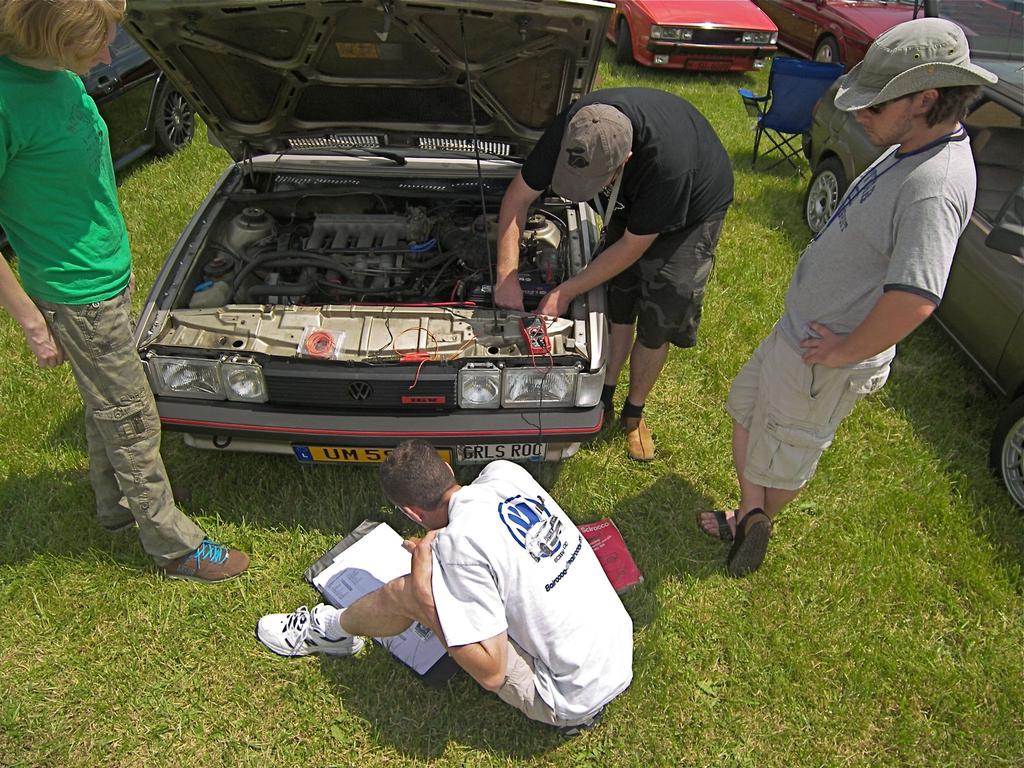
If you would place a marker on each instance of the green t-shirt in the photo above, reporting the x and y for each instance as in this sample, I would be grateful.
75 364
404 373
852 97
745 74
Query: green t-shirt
58 196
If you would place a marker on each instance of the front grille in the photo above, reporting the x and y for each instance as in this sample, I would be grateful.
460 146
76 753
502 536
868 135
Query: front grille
717 36
331 387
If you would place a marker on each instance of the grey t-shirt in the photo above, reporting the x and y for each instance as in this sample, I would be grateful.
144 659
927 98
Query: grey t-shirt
896 228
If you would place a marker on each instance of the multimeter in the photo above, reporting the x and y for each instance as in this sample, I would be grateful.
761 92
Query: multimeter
535 333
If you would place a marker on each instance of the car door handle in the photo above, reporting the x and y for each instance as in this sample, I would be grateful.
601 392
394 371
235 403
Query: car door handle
105 84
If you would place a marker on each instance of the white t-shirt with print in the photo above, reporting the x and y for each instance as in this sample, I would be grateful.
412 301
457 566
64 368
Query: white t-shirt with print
511 560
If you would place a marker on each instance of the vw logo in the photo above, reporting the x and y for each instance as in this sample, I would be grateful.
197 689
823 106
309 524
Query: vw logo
359 390
577 157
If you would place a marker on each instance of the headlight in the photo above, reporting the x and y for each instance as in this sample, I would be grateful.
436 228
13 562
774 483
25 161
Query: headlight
243 380
186 377
670 33
538 387
759 38
588 389
232 378
479 387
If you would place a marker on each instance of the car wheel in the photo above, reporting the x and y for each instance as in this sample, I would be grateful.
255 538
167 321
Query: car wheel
175 121
623 44
827 51
545 473
1007 453
828 183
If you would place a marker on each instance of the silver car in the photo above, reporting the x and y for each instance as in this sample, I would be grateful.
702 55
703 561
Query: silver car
333 295
983 306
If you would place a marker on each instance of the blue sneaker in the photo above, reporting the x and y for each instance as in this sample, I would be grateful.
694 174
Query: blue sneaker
209 562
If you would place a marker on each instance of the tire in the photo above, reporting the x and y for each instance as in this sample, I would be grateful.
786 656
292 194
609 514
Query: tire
174 121
825 190
1006 455
545 473
827 51
623 44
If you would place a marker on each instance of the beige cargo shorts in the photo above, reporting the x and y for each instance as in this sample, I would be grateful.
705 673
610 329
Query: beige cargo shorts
792 410
520 689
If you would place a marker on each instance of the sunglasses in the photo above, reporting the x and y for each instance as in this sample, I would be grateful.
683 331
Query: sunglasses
876 109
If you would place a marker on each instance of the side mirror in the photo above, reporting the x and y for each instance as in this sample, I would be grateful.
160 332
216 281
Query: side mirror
1007 233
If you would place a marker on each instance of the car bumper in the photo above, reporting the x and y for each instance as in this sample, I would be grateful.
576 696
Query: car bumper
274 431
720 58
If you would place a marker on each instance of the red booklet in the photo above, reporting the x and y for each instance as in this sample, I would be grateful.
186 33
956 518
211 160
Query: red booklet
611 551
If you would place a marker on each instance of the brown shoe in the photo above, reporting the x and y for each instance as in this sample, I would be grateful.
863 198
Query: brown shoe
639 443
209 563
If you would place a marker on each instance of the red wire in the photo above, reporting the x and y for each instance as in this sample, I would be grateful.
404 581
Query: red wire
417 356
319 344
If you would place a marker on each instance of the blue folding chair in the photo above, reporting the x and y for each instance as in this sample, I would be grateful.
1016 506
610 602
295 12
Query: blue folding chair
784 113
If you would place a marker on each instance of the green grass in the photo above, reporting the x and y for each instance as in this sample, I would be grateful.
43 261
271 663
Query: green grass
885 628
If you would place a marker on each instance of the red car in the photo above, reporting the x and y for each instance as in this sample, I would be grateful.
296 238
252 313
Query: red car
834 30
709 35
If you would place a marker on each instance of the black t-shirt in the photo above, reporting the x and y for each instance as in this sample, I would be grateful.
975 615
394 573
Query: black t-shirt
679 174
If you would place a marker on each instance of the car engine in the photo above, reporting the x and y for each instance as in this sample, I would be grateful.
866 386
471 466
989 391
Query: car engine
421 254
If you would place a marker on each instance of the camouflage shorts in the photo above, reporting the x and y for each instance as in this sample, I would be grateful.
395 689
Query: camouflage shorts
664 290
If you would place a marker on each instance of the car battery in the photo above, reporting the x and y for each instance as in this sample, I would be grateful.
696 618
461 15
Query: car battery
533 287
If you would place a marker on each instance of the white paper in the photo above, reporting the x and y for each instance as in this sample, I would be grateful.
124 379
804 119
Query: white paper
366 566
380 552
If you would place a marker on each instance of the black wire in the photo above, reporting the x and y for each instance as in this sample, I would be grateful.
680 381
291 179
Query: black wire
476 152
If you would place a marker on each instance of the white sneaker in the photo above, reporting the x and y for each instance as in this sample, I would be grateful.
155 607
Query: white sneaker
302 634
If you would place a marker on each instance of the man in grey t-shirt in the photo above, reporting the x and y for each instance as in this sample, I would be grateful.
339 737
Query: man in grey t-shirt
872 275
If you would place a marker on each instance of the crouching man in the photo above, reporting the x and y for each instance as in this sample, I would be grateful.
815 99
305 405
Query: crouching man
506 582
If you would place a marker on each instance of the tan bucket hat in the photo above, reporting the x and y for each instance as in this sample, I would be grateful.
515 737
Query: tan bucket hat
911 57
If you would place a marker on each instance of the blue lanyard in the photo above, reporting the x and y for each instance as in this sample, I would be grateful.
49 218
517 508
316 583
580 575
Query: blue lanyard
867 180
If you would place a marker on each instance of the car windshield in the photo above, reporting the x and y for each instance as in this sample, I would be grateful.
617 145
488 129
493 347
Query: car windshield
994 28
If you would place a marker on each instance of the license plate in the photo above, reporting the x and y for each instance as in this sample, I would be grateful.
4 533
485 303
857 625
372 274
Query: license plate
709 65
342 455
480 454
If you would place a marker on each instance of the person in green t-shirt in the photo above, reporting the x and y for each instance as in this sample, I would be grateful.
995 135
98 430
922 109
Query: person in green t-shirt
58 206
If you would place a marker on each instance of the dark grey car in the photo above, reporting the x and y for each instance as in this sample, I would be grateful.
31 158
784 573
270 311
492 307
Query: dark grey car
983 306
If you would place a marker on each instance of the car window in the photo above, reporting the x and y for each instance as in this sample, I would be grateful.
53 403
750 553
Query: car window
994 28
122 42
997 134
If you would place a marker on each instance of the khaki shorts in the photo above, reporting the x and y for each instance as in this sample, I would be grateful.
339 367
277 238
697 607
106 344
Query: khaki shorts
792 410
520 689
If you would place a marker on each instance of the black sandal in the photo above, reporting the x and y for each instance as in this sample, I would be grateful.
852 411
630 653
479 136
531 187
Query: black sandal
750 544
721 520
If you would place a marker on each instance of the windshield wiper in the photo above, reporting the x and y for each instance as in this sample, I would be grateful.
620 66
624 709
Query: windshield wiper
394 157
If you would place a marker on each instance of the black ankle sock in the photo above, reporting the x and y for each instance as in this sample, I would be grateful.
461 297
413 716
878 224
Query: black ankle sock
606 397
630 411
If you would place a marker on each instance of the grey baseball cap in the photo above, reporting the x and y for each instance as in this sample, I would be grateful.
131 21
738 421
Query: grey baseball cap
910 57
597 141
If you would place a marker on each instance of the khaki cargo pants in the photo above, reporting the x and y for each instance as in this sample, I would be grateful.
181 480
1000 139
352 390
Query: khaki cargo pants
122 427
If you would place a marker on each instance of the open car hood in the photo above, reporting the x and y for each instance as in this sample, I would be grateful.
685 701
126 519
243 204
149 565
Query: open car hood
262 73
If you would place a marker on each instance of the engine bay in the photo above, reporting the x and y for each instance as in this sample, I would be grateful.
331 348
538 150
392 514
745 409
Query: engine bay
362 248
331 268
